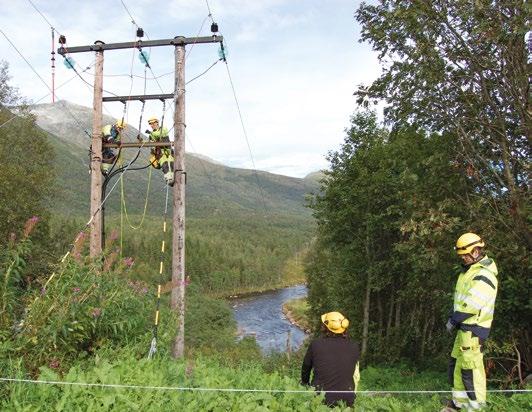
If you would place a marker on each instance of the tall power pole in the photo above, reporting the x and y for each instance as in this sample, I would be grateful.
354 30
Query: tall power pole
178 242
96 159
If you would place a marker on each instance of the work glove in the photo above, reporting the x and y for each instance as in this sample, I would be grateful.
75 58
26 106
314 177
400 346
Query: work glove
450 325
147 131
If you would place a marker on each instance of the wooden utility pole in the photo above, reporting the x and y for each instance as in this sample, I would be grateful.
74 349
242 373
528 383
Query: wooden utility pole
96 159
178 241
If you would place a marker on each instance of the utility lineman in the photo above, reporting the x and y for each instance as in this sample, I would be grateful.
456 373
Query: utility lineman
161 157
474 303
334 359
111 133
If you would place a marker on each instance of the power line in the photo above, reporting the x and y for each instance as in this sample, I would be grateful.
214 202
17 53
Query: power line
202 73
132 19
41 79
42 15
170 106
246 137
26 60
41 99
209 9
45 19
240 116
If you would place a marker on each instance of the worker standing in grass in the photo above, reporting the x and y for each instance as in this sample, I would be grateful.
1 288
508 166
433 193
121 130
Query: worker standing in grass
161 157
474 304
111 133
334 359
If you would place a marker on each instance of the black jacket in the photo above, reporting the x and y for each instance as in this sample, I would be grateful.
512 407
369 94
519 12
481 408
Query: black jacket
334 360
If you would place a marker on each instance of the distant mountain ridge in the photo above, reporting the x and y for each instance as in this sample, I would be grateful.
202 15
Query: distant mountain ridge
211 186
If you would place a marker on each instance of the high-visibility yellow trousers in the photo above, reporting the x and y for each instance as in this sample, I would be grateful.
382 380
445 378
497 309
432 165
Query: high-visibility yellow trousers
468 376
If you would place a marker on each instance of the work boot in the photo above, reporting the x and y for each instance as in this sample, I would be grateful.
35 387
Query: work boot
169 177
449 406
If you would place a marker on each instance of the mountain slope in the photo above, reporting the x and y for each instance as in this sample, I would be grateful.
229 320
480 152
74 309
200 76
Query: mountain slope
211 187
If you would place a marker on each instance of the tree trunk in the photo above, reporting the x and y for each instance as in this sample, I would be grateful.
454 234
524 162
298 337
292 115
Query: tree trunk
431 329
398 314
423 340
381 315
390 315
365 321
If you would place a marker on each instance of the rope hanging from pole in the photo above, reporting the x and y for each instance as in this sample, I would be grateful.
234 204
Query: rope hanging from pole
124 207
153 345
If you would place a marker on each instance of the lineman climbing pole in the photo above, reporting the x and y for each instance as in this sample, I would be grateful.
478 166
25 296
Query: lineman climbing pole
178 240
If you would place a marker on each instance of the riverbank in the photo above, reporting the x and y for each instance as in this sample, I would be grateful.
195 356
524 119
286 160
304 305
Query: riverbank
258 290
292 274
296 311
261 316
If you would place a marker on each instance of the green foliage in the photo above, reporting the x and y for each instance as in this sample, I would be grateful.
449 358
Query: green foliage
26 172
208 372
14 277
462 68
225 255
80 310
385 226
297 310
12 264
201 373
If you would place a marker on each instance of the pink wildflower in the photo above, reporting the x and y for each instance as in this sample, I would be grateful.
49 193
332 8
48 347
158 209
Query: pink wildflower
129 261
54 363
29 225
96 312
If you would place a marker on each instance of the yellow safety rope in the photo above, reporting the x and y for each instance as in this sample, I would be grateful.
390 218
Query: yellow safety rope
153 346
123 202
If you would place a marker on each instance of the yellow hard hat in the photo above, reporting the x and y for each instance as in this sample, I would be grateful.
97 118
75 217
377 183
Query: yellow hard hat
467 242
335 322
121 124
153 119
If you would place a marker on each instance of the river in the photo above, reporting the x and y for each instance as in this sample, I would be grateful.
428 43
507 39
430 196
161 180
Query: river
262 316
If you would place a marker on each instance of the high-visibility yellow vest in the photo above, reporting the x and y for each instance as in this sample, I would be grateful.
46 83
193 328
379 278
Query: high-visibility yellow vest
161 136
109 133
157 136
475 293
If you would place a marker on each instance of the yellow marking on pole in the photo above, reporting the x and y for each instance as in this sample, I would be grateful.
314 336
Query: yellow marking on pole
161 269
156 318
162 247
66 255
164 227
158 291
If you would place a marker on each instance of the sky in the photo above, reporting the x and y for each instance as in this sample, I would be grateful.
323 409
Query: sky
294 65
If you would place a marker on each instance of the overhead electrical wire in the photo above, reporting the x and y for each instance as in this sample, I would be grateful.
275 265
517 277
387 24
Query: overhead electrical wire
261 190
45 19
42 80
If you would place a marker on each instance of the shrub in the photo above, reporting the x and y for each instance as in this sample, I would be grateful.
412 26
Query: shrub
80 310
